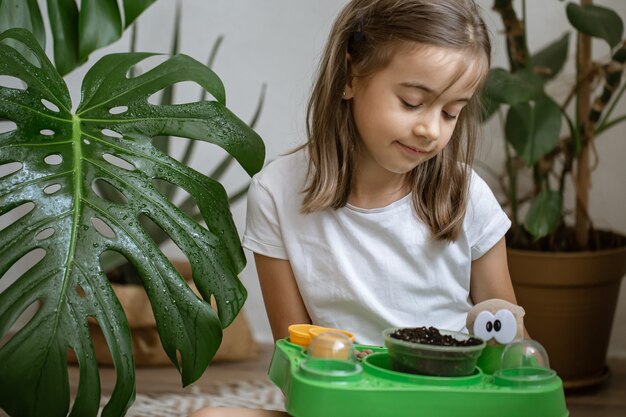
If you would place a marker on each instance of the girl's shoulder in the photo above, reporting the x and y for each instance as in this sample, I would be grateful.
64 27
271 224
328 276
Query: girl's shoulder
482 201
478 187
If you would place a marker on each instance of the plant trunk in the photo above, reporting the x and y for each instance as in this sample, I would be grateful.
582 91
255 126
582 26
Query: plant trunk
583 174
517 49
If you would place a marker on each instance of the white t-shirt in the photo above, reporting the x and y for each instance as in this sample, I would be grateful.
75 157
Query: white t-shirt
364 270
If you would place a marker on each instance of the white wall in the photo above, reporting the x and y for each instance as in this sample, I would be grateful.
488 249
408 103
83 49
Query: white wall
278 42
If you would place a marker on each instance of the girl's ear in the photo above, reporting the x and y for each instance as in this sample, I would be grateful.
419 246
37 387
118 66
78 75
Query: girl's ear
348 91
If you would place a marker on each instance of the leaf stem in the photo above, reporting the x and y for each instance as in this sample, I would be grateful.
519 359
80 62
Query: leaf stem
610 124
612 107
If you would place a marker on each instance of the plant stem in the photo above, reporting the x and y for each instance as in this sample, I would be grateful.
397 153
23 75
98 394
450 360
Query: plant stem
612 107
517 52
512 174
610 124
583 173
527 58
613 78
593 71
515 39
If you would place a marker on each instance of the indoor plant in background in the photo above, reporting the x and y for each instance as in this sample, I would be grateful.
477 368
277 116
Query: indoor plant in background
566 273
55 157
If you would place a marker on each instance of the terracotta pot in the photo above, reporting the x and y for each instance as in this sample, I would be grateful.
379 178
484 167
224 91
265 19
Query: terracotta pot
570 301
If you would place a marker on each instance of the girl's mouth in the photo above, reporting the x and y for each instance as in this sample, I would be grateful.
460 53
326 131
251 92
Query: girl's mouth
411 150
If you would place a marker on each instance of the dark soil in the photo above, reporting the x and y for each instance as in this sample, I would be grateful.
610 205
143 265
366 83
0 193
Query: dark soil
431 336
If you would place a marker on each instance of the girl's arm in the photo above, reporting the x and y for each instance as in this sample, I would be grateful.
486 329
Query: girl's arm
281 295
490 277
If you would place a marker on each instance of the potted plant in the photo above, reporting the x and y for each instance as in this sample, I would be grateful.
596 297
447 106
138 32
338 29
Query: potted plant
566 273
55 156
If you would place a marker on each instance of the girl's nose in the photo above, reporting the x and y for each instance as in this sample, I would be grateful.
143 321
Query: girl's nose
427 126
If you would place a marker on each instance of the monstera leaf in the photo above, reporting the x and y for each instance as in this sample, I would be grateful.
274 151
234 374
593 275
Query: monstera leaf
61 155
76 31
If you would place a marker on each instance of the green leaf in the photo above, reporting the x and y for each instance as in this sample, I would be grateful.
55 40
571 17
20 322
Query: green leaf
68 284
544 214
488 108
506 88
99 24
549 61
63 15
533 128
133 8
597 21
23 14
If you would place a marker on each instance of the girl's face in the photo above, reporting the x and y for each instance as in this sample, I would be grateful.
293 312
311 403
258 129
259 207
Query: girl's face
405 113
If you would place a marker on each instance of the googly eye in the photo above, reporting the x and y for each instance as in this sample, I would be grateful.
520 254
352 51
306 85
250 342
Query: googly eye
505 326
483 325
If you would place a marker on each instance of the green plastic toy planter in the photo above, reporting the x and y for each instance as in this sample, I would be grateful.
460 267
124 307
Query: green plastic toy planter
372 389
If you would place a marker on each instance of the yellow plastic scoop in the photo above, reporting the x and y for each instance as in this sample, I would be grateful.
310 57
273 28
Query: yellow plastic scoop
301 334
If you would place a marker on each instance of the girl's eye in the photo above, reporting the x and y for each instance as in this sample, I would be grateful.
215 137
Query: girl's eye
449 116
409 105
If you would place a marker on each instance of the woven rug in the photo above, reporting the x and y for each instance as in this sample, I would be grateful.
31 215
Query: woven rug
258 394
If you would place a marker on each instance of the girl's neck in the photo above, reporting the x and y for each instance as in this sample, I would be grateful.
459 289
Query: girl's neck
375 189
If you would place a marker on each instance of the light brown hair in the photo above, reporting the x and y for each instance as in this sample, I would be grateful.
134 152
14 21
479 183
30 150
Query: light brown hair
370 31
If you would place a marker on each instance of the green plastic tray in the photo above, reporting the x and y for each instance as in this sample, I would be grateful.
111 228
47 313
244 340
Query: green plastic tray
373 389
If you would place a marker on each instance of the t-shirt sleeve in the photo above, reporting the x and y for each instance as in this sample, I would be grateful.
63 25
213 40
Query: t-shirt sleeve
263 234
486 222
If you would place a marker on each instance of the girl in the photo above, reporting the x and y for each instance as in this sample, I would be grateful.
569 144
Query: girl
378 220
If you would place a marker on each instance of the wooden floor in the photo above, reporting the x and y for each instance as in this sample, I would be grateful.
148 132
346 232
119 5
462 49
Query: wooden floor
607 400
